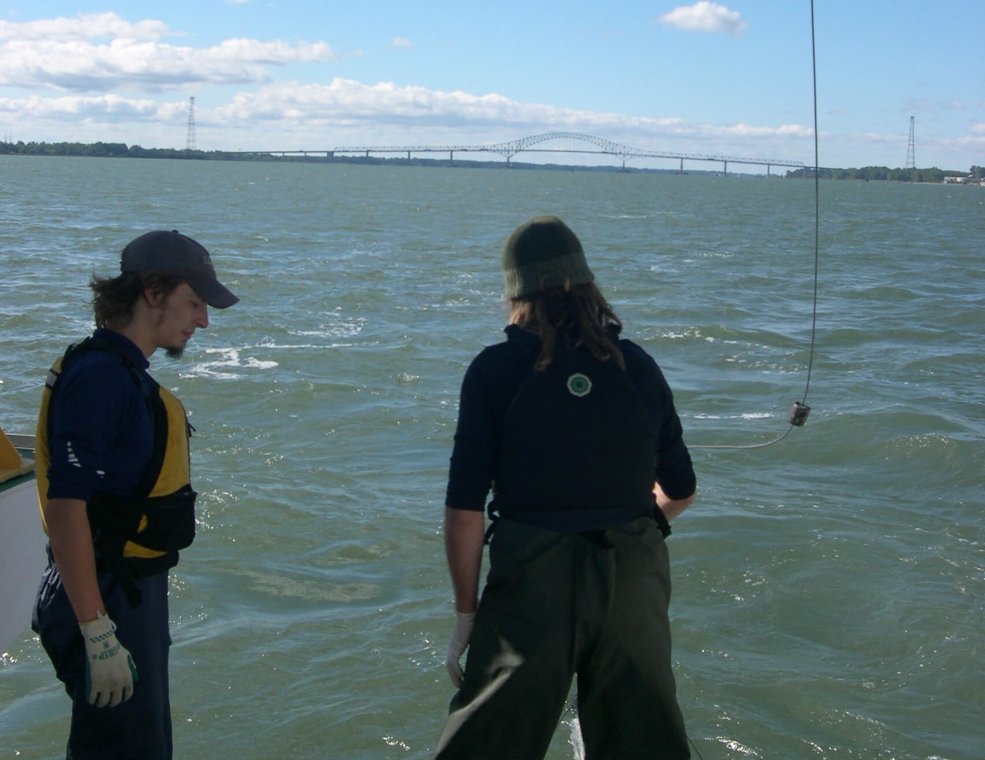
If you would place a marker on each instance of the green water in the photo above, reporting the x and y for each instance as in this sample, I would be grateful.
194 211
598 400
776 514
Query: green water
829 588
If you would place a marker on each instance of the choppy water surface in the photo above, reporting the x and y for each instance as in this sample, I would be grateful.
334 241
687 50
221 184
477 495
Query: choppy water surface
829 588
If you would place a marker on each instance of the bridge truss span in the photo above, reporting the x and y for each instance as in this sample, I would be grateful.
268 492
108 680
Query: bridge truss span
535 144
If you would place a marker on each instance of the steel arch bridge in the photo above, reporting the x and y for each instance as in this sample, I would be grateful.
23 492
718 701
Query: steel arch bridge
534 143
604 146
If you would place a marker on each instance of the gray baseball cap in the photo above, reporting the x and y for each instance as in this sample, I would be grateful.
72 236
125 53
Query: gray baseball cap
177 254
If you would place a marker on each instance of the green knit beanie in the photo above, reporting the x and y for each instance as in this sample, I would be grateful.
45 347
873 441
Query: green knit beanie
543 253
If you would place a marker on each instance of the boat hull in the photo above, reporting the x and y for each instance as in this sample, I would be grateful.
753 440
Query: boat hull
22 555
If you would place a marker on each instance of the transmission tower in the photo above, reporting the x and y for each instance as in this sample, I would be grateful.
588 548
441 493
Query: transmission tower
190 141
911 160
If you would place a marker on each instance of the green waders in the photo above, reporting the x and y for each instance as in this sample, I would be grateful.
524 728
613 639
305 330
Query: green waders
560 604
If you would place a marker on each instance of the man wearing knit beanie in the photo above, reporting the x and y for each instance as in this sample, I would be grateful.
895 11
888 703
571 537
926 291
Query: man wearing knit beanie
563 422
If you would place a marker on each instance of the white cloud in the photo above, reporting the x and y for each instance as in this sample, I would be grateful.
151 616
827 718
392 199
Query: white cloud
705 16
375 113
91 78
346 112
345 101
101 108
69 54
784 130
84 27
978 129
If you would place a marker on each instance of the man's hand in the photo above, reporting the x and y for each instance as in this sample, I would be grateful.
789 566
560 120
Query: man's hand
110 672
464 623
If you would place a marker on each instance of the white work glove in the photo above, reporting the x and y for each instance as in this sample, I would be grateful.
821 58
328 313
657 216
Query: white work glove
464 622
110 672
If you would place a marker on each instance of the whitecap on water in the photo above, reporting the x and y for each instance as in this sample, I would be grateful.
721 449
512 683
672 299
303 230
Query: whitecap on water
336 325
228 359
742 416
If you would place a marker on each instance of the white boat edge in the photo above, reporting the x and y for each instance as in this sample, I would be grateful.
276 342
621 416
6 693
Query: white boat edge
22 541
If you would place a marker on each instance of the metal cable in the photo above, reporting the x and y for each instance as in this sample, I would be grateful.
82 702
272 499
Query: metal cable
817 247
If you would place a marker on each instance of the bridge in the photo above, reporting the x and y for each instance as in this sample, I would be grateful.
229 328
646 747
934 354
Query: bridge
509 150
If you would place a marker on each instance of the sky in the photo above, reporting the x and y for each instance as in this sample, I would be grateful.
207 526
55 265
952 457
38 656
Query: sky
731 78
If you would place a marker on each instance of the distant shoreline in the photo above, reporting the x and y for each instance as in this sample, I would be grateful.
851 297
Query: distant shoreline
932 175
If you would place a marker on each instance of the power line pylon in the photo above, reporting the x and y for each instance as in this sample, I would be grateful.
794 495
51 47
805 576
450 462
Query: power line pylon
190 140
911 160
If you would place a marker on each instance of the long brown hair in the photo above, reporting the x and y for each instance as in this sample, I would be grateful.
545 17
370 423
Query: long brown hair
113 298
572 316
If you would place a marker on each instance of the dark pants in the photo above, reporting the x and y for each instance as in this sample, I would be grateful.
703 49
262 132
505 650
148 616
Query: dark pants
556 605
140 727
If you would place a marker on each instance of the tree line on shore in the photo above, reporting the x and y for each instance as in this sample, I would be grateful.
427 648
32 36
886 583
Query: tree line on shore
122 150
106 150
885 173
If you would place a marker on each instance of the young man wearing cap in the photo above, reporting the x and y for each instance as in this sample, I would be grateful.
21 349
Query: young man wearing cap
116 498
574 429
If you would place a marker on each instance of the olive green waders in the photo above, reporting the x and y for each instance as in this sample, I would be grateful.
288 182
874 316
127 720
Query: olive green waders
560 604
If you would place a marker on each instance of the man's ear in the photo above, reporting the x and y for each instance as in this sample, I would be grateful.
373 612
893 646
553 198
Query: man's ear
154 298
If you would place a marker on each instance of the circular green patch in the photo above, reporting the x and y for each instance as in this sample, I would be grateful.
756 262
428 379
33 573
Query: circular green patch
579 385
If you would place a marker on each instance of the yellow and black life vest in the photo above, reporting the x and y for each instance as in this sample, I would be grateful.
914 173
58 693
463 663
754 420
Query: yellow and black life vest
160 518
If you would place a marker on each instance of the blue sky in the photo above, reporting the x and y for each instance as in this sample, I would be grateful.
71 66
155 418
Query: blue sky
728 78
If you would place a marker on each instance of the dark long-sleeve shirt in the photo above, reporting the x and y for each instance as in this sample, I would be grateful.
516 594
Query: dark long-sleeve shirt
492 382
101 431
